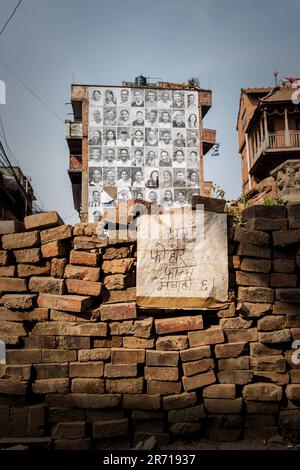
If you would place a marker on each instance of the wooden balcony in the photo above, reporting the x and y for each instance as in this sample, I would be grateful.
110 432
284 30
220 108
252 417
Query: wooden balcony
274 149
205 100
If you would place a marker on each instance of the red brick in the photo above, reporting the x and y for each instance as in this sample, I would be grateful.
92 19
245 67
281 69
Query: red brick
28 270
58 233
53 249
262 392
219 391
84 273
237 336
230 349
196 367
223 406
256 294
76 286
172 343
116 253
44 386
42 221
20 240
234 363
71 430
84 258
209 336
248 249
127 295
238 377
18 301
51 371
87 385
177 324
198 381
157 387
283 280
256 265
162 358
12 285
137 343
7 271
287 295
68 303
83 400
195 354
252 279
3 258
284 265
122 311
127 356
48 285
86 369
31 255
271 323
112 428
58 267
127 385
256 237
95 354
57 355
120 370
161 373
268 363
183 400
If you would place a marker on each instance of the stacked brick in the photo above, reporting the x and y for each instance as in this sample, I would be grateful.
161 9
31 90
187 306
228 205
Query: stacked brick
85 365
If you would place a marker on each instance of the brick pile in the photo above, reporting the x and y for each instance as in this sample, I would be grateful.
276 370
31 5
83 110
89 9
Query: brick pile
85 365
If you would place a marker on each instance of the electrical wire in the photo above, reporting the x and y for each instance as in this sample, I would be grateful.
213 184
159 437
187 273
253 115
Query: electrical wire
8 20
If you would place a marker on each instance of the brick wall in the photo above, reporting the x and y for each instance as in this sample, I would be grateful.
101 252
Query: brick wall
86 369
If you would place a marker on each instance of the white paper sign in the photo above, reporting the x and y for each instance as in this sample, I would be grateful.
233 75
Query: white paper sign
182 260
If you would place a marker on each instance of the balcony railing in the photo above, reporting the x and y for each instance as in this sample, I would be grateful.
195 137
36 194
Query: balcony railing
279 141
73 130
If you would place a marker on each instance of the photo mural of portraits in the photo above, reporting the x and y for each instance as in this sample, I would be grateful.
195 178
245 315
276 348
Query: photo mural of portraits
143 143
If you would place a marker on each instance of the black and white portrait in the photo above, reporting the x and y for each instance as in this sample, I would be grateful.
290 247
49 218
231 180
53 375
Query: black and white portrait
137 137
180 198
124 98
179 160
110 97
192 121
95 117
138 98
109 157
167 198
123 178
151 137
138 181
164 99
165 178
192 138
165 157
151 157
152 196
109 136
123 137
165 138
193 178
124 116
95 97
110 116
179 138
95 155
178 99
151 98
109 177
179 177
123 156
151 177
138 117
151 117
193 158
178 119
164 118
95 177
137 156
192 100
95 136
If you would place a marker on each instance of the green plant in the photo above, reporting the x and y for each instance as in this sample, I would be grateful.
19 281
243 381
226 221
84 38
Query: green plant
218 192
273 201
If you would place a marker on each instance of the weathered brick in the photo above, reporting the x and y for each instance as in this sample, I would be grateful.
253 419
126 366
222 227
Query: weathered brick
237 336
23 356
12 285
198 381
262 392
261 408
115 282
122 311
40 342
293 392
265 211
256 265
118 266
256 294
58 233
31 255
113 428
267 224
279 336
143 328
252 279
84 273
193 413
42 221
88 329
256 237
185 428
3 258
286 237
12 329
295 376
172 343
55 248
7 271
68 303
76 286
271 363
83 400
248 249
44 386
116 253
28 270
114 296
87 385
48 285
271 323
283 280
51 328
86 369
141 401
177 324
254 310
158 387
235 323
231 349
127 356
120 370
57 355
73 342
234 363
137 343
259 349
85 229
162 358
51 371
121 328
284 265
196 367
18 301
58 267
238 377
219 391
226 406
95 354
176 402
15 372
71 430
195 354
84 258
287 295
72 444
278 378
20 240
9 387
161 373
127 385
212 335
37 314
36 420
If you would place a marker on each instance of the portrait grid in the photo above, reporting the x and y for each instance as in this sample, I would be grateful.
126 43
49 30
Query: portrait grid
143 143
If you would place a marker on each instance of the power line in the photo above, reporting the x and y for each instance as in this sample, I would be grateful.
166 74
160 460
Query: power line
8 20
31 91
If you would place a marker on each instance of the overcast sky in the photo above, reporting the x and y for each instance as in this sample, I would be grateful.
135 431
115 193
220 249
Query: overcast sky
228 44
